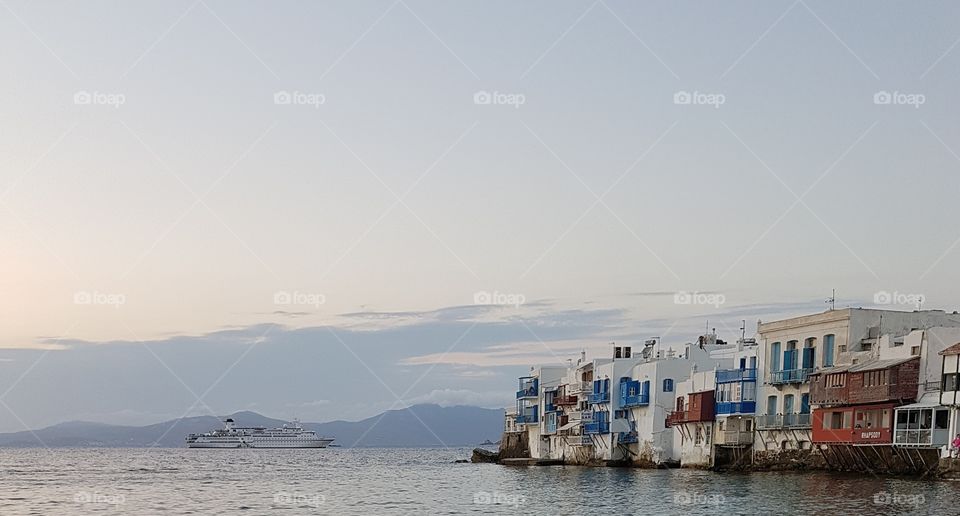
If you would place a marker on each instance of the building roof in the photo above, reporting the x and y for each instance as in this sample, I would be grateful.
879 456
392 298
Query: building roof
872 365
952 350
928 400
869 365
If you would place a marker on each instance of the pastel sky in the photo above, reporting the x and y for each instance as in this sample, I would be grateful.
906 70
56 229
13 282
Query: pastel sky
236 201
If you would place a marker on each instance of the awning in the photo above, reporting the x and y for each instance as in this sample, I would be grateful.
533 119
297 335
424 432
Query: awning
928 400
568 426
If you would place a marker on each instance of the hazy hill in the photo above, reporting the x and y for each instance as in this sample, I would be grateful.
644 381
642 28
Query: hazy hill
452 426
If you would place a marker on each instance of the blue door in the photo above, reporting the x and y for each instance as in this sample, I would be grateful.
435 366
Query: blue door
788 404
805 403
808 358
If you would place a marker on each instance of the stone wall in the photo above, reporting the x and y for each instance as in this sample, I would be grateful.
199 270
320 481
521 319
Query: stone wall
783 460
514 445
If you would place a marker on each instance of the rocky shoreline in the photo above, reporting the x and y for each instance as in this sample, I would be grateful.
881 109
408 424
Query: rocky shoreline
514 451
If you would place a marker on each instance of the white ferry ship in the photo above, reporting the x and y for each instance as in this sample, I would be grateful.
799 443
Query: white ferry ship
290 435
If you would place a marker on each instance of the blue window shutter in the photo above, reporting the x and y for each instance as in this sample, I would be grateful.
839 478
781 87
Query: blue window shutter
805 403
828 350
596 386
807 357
646 387
775 356
789 359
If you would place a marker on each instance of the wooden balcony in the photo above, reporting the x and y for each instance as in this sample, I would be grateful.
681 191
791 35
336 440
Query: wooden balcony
734 438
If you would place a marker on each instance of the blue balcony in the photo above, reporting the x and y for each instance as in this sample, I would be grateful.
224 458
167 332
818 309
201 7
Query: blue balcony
736 375
528 387
628 438
528 419
790 376
599 397
550 407
597 427
635 400
726 408
550 423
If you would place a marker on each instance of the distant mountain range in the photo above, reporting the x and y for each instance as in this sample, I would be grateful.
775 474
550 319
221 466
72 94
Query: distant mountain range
450 426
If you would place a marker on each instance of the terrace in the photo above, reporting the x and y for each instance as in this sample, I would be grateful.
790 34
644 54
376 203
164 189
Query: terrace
772 421
528 387
788 376
726 408
736 375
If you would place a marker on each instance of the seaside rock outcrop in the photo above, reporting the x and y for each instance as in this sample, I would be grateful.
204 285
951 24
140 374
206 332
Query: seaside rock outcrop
480 455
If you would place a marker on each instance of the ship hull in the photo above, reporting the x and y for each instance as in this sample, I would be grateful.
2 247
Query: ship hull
320 443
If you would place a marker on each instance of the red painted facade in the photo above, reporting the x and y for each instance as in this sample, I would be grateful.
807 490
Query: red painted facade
698 406
857 424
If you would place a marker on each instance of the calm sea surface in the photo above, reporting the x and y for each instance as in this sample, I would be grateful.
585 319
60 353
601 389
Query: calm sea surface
417 481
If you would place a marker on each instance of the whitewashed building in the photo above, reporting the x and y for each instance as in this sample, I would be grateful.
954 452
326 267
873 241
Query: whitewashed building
792 349
610 410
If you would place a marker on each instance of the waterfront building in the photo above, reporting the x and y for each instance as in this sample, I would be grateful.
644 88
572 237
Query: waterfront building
535 405
855 403
610 410
693 419
510 420
735 407
793 349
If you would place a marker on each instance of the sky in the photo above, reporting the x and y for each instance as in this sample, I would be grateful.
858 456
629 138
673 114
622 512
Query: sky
328 209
